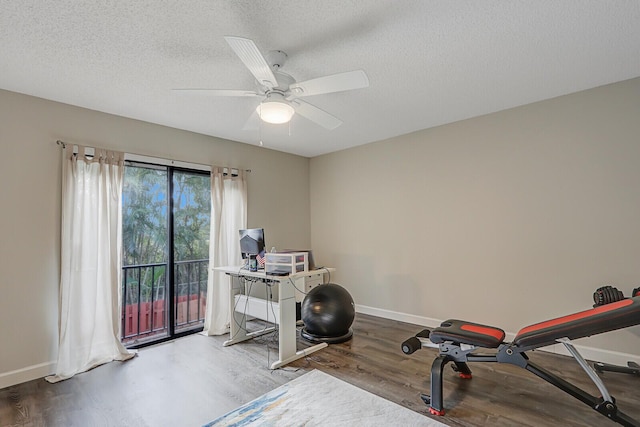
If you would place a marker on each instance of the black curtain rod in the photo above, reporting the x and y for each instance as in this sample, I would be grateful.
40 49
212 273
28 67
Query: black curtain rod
64 145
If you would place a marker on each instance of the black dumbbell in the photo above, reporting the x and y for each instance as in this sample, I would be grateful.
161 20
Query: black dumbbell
607 295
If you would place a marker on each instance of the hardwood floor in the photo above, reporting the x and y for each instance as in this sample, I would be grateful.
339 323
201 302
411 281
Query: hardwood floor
193 380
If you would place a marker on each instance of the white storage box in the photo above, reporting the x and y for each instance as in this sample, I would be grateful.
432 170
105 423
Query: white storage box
284 263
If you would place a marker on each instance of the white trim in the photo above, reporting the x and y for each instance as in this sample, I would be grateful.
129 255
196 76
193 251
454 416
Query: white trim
589 353
402 317
7 379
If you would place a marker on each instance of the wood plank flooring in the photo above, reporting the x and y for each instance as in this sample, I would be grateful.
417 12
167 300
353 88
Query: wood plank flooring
193 380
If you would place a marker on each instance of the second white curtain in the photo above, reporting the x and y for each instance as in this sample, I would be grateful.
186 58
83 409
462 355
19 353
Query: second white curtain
228 215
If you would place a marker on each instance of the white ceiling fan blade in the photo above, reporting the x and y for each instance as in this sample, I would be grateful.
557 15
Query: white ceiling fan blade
216 92
329 84
249 54
316 115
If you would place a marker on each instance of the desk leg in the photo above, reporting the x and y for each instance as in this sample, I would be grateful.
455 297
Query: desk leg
287 323
238 327
238 321
245 336
298 355
287 333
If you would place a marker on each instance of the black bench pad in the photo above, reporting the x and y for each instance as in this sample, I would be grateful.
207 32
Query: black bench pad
604 318
463 332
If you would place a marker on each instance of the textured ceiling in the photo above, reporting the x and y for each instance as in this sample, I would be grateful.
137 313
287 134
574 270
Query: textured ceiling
428 62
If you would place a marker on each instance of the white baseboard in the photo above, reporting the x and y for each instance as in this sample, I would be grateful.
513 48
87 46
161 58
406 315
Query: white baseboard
7 379
589 353
401 317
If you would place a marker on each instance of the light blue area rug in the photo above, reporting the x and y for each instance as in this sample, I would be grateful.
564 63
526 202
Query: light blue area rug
318 399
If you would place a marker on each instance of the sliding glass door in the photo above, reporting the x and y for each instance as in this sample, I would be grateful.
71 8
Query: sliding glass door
165 252
191 213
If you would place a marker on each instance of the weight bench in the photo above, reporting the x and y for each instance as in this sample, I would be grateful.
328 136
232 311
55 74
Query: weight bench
457 340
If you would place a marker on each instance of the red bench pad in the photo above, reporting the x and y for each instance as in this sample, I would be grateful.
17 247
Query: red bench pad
605 318
462 332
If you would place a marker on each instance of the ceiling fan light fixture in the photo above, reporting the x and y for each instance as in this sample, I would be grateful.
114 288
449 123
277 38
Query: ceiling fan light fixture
275 110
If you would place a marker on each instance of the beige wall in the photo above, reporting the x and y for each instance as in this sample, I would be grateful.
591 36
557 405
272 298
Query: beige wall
508 219
30 172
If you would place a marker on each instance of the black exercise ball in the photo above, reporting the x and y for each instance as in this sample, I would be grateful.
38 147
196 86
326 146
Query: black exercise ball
327 313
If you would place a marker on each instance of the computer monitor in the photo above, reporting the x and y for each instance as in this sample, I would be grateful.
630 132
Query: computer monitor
252 242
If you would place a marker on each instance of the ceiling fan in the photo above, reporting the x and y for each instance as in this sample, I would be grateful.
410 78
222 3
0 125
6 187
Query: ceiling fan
280 92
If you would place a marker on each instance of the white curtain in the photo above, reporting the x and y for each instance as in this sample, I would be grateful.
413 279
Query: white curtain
228 215
90 278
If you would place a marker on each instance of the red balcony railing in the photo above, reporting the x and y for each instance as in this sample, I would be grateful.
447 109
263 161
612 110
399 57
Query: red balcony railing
145 311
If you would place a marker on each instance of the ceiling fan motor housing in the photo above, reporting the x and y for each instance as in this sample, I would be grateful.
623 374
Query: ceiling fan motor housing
276 59
284 80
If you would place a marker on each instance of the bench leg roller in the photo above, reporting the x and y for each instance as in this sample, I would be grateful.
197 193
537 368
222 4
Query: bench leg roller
411 345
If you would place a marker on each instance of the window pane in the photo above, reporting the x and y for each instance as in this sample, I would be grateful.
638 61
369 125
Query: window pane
191 215
144 254
144 216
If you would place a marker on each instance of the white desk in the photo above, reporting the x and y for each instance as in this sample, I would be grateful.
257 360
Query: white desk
282 312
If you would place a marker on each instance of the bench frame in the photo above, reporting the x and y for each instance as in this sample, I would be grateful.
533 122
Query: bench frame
460 353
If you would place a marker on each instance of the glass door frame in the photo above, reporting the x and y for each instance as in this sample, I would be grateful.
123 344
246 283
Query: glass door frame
171 299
